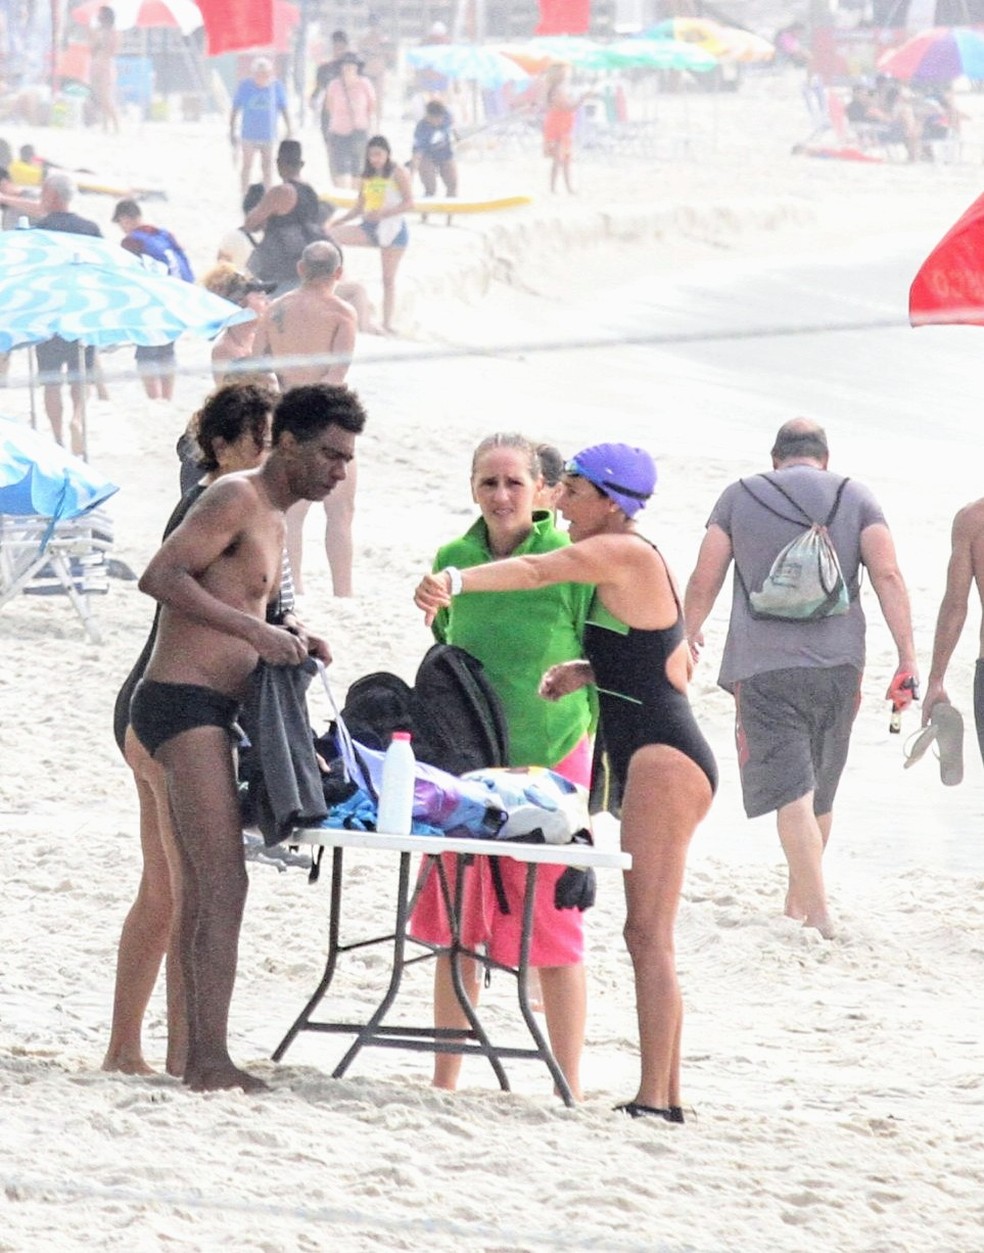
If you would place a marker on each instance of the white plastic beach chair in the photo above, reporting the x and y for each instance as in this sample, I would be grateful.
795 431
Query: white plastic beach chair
69 561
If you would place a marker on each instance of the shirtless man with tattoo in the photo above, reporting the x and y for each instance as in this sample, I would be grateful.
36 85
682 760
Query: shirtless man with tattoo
313 321
213 577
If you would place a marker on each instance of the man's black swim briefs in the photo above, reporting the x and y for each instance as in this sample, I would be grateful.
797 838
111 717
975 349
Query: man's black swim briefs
160 711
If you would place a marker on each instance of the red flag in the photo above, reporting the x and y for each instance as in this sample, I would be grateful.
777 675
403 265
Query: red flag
564 17
949 286
229 27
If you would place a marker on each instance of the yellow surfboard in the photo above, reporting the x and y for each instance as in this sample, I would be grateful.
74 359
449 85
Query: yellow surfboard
345 197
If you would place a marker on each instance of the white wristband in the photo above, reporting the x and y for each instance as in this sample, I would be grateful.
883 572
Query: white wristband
454 580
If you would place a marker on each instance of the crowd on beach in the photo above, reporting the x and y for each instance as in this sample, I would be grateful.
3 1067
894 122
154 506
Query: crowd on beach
584 631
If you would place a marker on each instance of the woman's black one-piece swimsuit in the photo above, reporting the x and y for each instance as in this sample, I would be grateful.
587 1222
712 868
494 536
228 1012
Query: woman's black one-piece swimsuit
638 703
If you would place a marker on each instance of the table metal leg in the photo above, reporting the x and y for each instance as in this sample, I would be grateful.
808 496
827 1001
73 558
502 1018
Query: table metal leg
454 957
334 924
367 1032
522 972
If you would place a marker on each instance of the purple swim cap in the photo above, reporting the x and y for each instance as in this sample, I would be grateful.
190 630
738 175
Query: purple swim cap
625 474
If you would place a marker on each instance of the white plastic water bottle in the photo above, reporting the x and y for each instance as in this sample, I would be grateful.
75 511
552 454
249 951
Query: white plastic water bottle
396 794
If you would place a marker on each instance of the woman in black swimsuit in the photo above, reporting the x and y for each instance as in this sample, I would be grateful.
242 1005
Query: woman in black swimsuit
637 656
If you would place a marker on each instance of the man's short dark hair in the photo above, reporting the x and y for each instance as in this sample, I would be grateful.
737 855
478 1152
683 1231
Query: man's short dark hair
307 411
339 37
126 209
800 438
289 153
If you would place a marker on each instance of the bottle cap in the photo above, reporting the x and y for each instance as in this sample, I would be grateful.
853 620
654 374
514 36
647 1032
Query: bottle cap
401 735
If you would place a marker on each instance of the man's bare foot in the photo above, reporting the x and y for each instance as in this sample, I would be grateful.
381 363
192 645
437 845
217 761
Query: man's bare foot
223 1075
127 1065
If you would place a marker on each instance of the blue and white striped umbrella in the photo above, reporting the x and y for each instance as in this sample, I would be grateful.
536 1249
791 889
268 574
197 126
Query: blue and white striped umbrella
34 249
471 62
38 476
83 289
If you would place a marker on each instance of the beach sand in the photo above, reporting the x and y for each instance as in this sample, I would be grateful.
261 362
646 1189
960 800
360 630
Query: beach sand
836 1086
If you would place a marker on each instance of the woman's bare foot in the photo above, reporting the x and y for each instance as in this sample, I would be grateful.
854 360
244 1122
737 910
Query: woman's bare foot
127 1065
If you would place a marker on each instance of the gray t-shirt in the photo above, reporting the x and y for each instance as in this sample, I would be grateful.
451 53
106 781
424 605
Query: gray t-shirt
757 536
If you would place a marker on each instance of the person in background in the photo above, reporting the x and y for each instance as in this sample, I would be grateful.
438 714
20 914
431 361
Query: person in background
516 638
558 123
385 196
56 355
156 362
314 321
235 343
552 473
104 47
290 217
352 113
325 73
377 51
797 684
231 432
433 150
261 101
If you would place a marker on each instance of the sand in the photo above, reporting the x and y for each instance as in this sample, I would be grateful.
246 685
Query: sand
836 1087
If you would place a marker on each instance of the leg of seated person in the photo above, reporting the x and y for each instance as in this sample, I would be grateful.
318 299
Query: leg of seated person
54 409
448 1013
148 924
204 804
565 1007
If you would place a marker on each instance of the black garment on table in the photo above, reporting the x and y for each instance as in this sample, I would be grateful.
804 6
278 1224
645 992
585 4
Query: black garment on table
279 766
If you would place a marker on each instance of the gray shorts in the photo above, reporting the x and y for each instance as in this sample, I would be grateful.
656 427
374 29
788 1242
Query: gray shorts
793 730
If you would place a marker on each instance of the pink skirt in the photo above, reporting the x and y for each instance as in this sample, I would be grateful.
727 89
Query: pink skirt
558 934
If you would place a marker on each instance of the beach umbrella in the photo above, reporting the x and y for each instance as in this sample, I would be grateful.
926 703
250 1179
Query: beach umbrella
949 285
180 15
938 55
573 50
726 43
102 304
654 54
36 249
39 477
471 62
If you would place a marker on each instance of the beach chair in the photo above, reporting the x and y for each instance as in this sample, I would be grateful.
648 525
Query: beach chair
66 559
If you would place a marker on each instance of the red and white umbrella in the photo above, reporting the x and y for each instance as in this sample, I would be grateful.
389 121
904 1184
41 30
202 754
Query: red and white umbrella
180 15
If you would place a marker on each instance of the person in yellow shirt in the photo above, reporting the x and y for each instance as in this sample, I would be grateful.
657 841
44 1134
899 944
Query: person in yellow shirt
377 219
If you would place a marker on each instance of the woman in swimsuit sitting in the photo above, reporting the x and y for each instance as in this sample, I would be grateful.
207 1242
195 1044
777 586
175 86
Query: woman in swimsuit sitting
638 658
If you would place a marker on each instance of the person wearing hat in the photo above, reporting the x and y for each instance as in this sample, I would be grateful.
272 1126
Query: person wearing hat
235 343
636 656
261 101
155 362
353 111
290 217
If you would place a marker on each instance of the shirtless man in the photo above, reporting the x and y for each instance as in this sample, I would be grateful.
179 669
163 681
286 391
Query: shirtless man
213 577
966 567
314 322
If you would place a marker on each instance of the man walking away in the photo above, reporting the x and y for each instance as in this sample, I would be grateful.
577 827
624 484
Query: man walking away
796 683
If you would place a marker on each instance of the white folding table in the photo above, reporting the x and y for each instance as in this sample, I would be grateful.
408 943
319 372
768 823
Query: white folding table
474 1039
